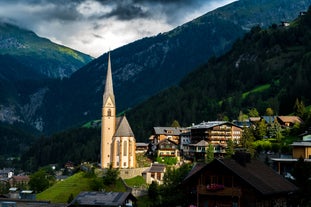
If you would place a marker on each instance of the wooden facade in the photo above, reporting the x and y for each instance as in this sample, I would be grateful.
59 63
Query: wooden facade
229 182
301 150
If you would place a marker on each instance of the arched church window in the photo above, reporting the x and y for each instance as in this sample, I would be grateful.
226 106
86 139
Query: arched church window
125 148
118 147
109 112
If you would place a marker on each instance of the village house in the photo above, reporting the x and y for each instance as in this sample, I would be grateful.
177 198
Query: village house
103 199
289 121
141 148
168 148
196 151
163 133
185 139
19 180
238 182
216 133
193 142
155 173
301 149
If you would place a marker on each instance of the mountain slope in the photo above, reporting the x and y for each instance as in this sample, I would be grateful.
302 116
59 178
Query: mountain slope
40 54
267 68
145 67
27 62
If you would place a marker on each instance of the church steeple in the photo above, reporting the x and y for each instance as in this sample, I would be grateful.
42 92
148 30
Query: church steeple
117 139
108 86
108 119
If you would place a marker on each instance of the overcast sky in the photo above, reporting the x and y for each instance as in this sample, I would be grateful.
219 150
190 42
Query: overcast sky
95 26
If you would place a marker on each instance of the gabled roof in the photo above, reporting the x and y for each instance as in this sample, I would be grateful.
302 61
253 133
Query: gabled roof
155 167
260 176
123 128
102 199
257 174
196 168
290 119
166 141
169 130
269 119
201 143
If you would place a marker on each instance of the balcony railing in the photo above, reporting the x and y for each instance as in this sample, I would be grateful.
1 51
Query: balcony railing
220 191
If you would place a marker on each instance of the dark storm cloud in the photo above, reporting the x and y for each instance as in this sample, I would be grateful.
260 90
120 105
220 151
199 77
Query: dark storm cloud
126 11
95 26
132 9
66 10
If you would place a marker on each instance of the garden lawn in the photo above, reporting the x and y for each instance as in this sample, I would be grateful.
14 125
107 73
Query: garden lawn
61 191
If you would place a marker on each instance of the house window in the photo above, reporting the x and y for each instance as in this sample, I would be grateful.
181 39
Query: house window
109 112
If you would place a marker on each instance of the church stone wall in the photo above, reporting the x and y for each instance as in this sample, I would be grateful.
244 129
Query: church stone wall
131 172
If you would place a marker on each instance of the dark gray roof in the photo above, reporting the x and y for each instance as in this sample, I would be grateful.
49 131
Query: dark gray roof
210 124
155 167
169 130
141 144
301 144
257 174
260 176
201 143
102 198
123 128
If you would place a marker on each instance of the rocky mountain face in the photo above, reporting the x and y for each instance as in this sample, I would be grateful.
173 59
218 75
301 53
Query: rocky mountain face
40 54
27 64
142 68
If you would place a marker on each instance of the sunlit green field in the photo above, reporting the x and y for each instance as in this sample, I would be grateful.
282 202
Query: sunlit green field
60 192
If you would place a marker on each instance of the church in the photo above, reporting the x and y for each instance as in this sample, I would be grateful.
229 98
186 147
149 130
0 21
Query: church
118 143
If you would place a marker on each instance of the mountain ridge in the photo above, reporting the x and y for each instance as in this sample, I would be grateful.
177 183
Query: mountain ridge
267 68
45 57
147 66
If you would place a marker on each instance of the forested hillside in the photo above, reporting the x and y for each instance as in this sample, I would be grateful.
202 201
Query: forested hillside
75 145
145 67
265 68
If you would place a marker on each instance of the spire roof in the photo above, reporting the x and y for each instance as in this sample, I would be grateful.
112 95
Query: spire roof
123 128
108 85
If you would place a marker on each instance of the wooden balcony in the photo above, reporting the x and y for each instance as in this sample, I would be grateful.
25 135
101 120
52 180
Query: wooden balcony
226 191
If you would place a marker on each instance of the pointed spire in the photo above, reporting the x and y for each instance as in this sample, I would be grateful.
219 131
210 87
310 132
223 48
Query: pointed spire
108 86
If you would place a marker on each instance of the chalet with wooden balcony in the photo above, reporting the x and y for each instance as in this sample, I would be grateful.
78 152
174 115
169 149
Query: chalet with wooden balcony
168 148
196 151
216 133
239 182
171 133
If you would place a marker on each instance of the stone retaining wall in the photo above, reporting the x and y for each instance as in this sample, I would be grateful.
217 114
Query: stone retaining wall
130 173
